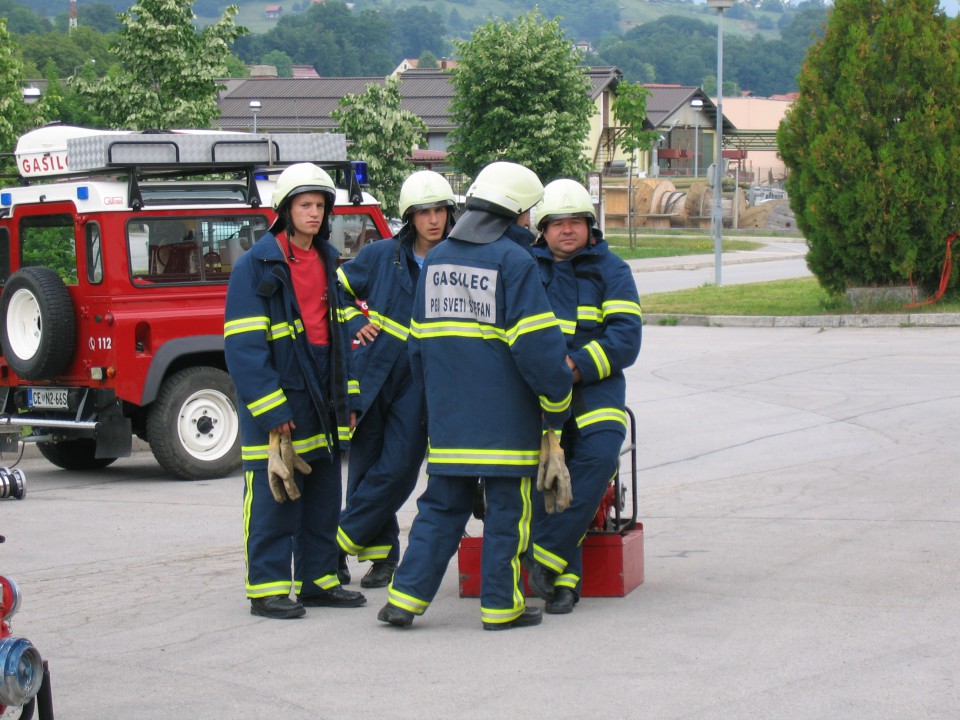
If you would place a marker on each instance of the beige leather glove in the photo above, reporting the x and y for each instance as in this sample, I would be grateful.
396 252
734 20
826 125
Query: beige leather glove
293 462
279 473
553 478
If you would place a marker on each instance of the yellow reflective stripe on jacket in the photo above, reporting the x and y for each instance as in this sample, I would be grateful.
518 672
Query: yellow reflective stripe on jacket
602 415
266 403
398 330
351 312
253 452
470 456
456 329
531 324
248 324
554 407
284 329
627 307
305 445
342 277
353 387
344 432
599 359
589 312
567 327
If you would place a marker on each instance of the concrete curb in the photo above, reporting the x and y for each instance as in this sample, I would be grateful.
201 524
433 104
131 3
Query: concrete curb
802 321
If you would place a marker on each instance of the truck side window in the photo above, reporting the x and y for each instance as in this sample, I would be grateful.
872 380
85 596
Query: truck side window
4 255
94 255
48 241
189 248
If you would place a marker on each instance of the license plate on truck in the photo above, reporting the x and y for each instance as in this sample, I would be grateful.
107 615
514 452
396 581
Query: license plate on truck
48 398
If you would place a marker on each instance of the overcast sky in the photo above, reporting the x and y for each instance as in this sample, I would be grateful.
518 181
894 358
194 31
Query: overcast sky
950 7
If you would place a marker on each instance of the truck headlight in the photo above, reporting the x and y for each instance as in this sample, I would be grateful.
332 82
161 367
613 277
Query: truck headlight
22 669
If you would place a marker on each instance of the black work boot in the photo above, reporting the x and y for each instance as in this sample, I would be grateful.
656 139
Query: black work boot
531 616
334 597
540 578
379 574
395 616
276 607
564 599
343 572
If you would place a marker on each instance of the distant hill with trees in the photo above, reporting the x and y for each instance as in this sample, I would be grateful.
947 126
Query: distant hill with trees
664 41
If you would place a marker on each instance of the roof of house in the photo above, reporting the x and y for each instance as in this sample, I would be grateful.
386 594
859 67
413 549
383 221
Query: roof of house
665 100
292 103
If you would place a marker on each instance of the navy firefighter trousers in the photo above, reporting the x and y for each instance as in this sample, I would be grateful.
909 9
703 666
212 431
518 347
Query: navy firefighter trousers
386 452
442 514
557 538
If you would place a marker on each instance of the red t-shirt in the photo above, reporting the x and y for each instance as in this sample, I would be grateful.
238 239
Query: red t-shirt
310 283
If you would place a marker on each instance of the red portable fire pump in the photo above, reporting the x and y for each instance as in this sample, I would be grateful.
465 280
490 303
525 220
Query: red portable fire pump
612 549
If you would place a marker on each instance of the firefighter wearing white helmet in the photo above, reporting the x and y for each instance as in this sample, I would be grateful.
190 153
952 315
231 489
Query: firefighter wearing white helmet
490 355
298 179
390 441
594 296
287 353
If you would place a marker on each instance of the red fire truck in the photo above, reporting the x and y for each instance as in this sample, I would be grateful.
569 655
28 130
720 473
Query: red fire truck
115 252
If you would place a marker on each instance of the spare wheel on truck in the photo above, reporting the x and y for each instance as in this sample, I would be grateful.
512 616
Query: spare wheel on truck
38 323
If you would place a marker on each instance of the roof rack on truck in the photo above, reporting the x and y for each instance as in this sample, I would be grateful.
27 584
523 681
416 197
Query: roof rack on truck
62 151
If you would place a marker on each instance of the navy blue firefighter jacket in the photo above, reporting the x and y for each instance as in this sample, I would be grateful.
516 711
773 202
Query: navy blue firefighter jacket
486 343
384 274
271 362
594 296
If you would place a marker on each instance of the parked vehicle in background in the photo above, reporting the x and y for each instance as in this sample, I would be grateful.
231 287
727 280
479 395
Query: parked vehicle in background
115 254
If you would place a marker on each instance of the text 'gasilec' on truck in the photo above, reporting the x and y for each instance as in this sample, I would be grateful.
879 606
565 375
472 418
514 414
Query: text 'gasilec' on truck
115 252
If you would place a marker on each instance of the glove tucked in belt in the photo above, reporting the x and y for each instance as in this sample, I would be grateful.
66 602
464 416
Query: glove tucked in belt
553 478
282 460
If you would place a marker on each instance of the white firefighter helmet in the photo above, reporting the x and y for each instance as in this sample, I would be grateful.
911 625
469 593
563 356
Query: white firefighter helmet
509 186
300 178
564 199
425 189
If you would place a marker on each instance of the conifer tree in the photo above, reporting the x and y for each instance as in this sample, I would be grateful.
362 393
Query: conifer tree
873 144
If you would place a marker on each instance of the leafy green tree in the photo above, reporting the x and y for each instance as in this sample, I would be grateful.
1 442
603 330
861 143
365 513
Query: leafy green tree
15 114
167 74
280 60
81 51
873 144
520 95
630 112
428 61
383 135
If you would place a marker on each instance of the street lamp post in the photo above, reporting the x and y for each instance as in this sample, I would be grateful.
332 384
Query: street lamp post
254 108
717 217
697 105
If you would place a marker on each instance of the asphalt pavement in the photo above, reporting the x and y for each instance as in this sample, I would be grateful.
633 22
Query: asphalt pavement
796 487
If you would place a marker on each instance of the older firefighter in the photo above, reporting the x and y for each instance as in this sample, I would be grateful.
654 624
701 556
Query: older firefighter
594 297
486 344
287 353
388 446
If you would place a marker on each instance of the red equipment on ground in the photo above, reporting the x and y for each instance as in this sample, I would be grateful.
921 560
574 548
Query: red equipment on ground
612 549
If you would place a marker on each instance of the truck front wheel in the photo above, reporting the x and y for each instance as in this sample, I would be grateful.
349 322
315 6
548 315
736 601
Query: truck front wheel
193 427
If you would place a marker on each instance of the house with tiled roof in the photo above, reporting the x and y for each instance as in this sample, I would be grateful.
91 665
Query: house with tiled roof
300 104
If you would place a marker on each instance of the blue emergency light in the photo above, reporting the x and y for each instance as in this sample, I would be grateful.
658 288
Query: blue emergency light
360 171
6 198
83 193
